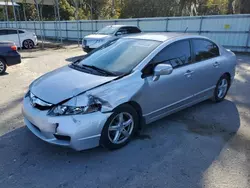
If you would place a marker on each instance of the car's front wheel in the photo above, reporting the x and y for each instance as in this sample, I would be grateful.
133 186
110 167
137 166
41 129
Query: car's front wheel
120 127
28 44
3 66
221 89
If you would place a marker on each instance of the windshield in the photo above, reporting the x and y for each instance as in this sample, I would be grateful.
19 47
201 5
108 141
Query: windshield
120 56
108 30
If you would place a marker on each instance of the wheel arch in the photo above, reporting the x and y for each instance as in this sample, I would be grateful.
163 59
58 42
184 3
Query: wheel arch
3 58
228 75
138 109
22 41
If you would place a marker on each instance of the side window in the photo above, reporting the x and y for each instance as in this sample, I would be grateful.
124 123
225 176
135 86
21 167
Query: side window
11 32
20 31
3 32
177 54
123 30
204 49
134 30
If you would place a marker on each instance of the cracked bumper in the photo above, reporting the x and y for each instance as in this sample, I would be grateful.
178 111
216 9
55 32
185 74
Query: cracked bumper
78 132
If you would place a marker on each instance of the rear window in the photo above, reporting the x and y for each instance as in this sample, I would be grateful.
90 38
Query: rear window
134 30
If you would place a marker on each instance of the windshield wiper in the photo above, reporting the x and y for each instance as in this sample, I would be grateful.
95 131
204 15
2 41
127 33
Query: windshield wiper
99 70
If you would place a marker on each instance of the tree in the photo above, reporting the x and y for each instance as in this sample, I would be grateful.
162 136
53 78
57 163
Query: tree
67 11
244 6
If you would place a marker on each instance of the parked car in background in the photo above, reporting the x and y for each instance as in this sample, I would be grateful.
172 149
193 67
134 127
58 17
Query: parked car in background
8 55
28 39
104 98
106 34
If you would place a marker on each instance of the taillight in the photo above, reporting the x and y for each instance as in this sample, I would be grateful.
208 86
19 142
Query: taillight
14 48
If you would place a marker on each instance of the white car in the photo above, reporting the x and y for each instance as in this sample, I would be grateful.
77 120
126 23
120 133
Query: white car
27 39
107 34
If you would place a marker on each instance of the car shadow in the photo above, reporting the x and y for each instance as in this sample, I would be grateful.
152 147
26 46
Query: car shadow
172 152
28 57
4 74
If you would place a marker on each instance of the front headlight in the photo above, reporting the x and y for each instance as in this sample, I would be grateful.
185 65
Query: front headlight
74 110
27 94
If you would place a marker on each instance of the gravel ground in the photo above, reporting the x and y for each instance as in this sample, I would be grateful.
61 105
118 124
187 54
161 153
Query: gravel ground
207 145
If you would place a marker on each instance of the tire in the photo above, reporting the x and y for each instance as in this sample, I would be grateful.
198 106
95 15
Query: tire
28 44
111 128
221 88
3 66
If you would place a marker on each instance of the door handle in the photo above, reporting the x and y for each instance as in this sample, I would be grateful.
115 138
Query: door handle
216 64
188 73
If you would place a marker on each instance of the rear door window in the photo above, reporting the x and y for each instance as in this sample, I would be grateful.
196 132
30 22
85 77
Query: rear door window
11 32
123 30
177 54
204 49
3 32
134 30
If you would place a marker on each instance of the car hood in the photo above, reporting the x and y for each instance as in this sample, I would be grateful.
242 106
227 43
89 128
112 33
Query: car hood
96 36
64 83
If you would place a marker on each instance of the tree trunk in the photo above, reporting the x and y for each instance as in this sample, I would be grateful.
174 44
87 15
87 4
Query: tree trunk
230 9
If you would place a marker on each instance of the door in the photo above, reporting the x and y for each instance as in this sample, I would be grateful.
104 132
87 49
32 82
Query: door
12 36
206 66
172 91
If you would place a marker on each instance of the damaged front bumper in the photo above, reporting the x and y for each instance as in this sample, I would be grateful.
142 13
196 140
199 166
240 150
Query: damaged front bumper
75 131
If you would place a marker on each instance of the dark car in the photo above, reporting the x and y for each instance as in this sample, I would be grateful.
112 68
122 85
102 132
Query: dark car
8 55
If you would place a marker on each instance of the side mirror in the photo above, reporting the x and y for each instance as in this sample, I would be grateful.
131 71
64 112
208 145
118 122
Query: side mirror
162 69
118 33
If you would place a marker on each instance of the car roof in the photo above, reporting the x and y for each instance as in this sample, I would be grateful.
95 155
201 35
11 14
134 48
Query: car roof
122 26
163 36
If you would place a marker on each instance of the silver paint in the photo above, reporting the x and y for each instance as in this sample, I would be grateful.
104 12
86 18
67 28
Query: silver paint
157 98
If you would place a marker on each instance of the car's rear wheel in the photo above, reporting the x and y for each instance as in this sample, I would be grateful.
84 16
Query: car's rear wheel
28 44
3 66
221 89
120 127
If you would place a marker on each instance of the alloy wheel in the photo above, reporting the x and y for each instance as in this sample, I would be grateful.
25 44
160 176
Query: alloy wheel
222 88
28 44
120 128
1 66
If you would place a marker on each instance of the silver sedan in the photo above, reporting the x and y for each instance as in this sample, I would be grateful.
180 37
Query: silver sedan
109 94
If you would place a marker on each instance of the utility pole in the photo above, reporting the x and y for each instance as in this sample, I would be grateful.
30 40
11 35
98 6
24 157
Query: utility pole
17 26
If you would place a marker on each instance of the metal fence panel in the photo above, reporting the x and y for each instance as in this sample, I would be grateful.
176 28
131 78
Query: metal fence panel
87 26
192 25
226 24
102 23
149 26
229 39
232 31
